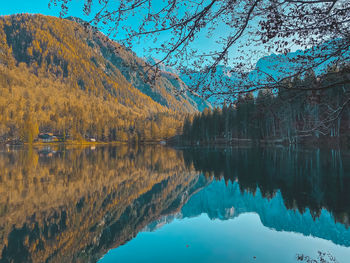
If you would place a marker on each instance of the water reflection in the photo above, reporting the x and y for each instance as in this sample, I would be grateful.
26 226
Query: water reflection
308 179
74 204
223 202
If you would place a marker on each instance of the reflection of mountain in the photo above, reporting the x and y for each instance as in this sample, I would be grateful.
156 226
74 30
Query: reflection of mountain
74 205
290 190
307 179
224 202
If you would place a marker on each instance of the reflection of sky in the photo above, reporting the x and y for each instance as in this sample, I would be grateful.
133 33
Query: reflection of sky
256 226
234 240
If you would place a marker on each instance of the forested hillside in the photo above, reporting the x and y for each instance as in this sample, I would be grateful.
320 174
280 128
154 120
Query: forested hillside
60 77
286 115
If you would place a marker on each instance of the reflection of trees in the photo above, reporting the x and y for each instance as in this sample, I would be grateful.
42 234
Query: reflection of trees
322 257
73 205
307 179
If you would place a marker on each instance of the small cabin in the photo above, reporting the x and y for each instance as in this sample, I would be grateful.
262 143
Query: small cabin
47 137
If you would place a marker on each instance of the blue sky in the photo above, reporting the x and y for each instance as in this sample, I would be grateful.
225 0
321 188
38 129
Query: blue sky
42 7
76 9
203 43
24 6
37 6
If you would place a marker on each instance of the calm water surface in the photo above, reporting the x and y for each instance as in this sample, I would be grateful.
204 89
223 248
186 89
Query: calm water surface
157 204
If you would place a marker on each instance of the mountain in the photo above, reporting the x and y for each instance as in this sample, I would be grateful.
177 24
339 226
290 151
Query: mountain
276 66
173 76
161 66
317 58
219 81
61 76
224 76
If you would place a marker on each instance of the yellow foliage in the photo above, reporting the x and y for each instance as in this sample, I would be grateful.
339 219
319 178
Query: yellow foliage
52 80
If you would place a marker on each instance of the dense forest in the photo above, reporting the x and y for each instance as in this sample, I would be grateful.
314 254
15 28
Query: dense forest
286 115
59 77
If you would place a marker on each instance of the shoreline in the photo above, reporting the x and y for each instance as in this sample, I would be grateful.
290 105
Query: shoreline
281 142
81 143
176 142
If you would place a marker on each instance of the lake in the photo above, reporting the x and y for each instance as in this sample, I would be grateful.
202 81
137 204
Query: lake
159 204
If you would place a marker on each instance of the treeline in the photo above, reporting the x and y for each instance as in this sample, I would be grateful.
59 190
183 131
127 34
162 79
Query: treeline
288 115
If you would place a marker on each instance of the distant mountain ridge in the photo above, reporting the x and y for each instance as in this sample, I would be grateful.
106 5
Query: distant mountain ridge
276 66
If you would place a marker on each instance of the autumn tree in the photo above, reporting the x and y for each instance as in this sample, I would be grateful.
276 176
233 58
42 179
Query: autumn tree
30 129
